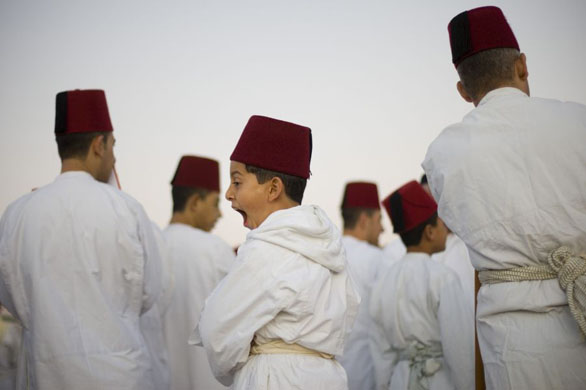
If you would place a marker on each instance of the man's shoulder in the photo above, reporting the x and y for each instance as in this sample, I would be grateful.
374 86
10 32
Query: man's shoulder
181 234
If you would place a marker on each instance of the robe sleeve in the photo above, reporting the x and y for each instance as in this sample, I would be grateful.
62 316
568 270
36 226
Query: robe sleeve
153 274
457 332
250 296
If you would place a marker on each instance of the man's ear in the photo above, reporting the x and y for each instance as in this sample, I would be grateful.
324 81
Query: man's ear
98 145
463 93
276 188
521 70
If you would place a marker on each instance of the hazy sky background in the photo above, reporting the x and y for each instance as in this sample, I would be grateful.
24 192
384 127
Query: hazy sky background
372 79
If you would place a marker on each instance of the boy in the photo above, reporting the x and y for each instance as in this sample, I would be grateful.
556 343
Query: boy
361 214
199 261
421 317
285 308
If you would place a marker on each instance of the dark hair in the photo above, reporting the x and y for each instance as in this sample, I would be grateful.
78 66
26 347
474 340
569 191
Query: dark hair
76 145
487 70
181 194
413 236
294 185
351 215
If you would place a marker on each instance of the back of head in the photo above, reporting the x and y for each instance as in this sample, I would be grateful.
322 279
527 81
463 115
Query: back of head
410 209
194 175
80 116
359 197
274 148
484 50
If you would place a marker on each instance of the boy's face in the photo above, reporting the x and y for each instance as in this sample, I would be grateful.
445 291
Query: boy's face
247 196
440 234
374 228
208 211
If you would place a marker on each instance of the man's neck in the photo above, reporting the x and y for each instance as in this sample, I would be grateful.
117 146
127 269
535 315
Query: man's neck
73 164
356 234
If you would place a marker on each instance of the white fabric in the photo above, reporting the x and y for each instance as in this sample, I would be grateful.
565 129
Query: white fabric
364 263
394 251
78 264
456 257
289 282
421 300
510 182
200 260
151 322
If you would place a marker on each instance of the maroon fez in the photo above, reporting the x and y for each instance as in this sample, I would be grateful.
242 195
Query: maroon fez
275 145
409 206
82 111
197 172
361 195
477 30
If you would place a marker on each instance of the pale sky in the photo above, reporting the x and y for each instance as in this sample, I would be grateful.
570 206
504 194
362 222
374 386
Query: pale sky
372 79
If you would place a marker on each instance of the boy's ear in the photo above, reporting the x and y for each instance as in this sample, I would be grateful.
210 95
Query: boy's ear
276 188
192 202
428 232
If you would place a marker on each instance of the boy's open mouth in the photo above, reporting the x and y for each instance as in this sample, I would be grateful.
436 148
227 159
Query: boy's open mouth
243 215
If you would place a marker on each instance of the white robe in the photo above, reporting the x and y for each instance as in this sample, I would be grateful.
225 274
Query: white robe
78 264
394 251
289 283
364 263
510 182
456 257
151 322
421 300
199 260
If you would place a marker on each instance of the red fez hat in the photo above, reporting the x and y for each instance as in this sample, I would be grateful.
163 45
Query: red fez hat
361 195
477 30
82 111
275 145
198 172
409 206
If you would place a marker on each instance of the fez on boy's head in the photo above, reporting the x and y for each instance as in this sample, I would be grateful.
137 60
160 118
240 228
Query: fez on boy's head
269 168
361 212
486 54
413 213
195 192
83 133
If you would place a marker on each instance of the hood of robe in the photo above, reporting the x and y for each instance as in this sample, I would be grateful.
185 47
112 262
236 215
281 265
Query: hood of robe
306 230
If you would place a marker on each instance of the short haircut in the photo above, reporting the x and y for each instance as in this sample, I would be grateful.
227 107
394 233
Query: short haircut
350 215
294 185
76 145
487 70
182 194
413 236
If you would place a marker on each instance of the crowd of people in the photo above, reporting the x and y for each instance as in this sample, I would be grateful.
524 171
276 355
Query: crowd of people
96 296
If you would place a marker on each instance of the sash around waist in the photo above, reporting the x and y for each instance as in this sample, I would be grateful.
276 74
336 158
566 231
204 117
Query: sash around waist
281 347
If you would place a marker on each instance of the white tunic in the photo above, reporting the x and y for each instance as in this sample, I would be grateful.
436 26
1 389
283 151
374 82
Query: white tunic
394 251
289 282
510 182
78 264
200 260
421 300
364 263
456 257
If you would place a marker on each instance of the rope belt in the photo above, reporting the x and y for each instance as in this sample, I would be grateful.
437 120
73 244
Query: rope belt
281 347
567 267
424 361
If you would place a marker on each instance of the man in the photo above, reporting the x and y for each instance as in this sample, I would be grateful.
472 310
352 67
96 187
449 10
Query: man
199 261
422 326
79 263
362 226
510 183
286 307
